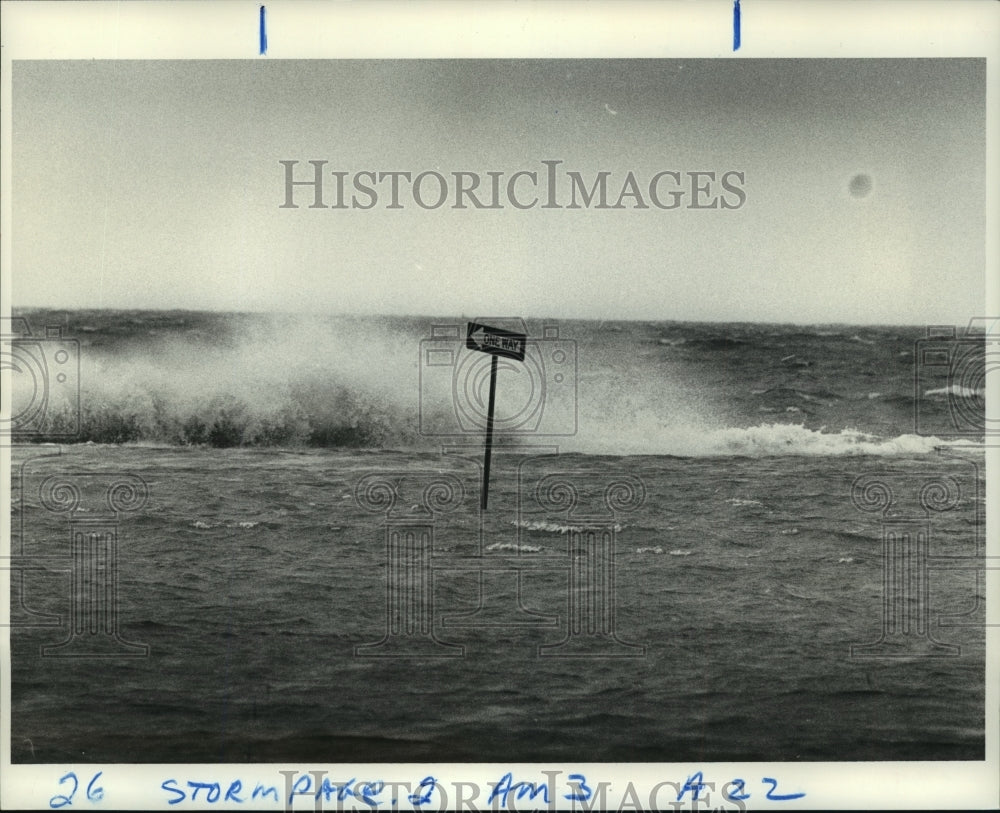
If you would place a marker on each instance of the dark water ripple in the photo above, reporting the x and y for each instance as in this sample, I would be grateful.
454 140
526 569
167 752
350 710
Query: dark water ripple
766 575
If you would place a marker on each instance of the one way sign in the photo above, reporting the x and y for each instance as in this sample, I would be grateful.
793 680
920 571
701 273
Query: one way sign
498 342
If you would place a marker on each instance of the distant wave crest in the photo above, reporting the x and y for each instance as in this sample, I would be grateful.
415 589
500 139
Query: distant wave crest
778 439
763 440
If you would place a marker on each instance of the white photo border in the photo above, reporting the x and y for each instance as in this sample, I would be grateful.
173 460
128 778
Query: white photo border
231 30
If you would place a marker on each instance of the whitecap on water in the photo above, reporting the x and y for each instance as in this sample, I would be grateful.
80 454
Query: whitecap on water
513 546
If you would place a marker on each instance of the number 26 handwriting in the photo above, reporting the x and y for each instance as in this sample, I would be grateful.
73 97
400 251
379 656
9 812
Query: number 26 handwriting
94 794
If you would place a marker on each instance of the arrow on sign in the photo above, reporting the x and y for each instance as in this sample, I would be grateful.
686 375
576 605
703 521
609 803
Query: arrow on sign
477 337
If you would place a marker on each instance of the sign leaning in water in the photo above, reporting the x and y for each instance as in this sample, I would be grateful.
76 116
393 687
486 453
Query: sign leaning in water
496 342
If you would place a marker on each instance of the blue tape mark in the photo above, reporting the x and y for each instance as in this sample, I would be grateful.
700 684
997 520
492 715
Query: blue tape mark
736 24
263 30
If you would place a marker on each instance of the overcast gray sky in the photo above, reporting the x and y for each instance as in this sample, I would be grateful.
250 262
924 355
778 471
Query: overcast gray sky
158 184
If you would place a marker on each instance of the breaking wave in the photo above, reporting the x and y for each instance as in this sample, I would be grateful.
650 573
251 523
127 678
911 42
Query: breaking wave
777 439
229 380
763 440
339 414
291 384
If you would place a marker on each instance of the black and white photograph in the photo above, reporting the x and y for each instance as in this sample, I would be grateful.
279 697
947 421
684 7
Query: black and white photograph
600 428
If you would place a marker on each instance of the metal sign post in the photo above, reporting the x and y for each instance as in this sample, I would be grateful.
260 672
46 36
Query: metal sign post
496 342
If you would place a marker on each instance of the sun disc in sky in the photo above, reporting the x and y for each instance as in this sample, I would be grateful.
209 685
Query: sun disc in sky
860 186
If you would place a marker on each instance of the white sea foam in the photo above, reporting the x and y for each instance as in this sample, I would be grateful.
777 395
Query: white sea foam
513 546
765 440
959 390
202 525
557 527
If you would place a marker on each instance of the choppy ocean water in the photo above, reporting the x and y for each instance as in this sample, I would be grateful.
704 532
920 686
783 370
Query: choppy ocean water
711 504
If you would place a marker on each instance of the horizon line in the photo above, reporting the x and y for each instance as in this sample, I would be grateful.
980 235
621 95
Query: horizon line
431 316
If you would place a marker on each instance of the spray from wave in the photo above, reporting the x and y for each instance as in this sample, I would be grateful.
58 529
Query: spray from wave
342 382
275 382
230 381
